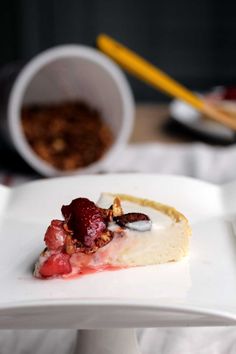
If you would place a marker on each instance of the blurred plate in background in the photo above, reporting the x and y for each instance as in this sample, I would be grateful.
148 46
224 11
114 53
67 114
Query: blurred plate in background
184 114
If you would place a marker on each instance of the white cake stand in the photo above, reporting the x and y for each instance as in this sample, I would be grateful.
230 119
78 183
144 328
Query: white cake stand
124 340
107 341
107 328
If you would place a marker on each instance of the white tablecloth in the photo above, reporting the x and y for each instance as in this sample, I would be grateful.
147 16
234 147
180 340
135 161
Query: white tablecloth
213 164
217 165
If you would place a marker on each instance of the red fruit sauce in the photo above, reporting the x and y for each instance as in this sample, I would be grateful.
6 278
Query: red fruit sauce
87 271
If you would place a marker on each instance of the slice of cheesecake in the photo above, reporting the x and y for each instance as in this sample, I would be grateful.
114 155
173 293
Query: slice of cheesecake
166 240
119 231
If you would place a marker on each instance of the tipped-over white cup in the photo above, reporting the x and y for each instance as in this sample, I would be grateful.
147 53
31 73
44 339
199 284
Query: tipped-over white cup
72 72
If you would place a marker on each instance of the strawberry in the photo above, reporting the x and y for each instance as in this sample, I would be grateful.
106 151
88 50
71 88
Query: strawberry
55 235
85 220
56 264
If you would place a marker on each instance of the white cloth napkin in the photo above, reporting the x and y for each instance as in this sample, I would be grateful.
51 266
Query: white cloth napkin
217 165
213 164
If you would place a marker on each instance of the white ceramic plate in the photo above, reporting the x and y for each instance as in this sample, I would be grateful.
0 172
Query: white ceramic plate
199 290
190 118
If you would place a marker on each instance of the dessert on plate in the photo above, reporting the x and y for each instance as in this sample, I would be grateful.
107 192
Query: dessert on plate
119 231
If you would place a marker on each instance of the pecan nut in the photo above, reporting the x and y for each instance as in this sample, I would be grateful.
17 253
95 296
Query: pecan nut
134 221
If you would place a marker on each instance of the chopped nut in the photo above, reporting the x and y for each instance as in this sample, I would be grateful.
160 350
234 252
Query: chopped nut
105 238
67 135
116 207
69 245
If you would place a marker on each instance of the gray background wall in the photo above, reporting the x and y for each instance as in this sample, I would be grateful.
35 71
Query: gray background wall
194 41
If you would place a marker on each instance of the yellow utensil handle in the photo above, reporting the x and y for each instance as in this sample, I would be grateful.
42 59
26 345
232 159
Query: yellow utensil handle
147 72
144 70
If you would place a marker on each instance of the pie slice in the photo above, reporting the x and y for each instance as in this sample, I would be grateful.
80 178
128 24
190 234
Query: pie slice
119 231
